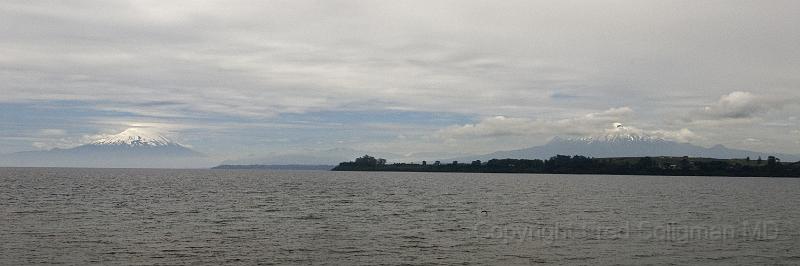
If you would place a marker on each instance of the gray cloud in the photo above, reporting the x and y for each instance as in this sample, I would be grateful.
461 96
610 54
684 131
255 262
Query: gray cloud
524 60
295 56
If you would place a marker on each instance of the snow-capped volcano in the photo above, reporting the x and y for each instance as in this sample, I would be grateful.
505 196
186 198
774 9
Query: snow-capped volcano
615 138
622 141
618 134
136 142
132 148
135 137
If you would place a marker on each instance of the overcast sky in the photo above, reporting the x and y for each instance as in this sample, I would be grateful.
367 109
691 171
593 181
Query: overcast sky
234 78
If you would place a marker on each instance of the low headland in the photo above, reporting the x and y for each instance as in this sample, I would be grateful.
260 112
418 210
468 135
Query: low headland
301 167
562 164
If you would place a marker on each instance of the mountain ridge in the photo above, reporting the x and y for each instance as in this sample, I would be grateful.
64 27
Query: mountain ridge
616 146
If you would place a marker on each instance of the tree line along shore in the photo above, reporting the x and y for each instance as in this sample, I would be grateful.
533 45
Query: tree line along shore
562 164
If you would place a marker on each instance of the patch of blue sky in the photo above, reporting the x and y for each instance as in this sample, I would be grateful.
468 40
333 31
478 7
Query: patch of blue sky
19 122
24 117
560 95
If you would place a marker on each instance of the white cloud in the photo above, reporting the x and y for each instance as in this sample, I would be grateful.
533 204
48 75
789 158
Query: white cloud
742 106
614 113
736 104
40 145
52 132
680 135
495 126
50 142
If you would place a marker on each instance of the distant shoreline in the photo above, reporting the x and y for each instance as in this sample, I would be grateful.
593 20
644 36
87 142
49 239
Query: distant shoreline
560 164
275 167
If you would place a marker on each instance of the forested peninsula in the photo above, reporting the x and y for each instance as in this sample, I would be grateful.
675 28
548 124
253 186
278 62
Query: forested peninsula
562 164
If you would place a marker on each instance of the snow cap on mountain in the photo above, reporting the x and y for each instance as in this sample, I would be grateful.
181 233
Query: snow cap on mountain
618 133
135 137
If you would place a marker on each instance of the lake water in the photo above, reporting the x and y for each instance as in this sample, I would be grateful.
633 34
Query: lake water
144 217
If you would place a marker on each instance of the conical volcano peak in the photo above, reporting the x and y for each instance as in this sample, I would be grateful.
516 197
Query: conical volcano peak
135 137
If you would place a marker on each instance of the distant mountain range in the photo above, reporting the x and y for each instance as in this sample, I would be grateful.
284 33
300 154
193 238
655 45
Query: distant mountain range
616 144
132 148
136 148
623 145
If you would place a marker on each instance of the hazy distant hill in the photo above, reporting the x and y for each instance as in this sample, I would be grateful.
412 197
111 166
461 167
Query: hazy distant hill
129 149
321 157
302 167
623 145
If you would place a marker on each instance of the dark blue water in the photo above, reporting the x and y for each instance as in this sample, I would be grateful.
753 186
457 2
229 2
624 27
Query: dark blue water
177 217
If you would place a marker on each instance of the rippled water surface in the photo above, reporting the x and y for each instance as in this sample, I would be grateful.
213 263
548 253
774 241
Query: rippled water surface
126 216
